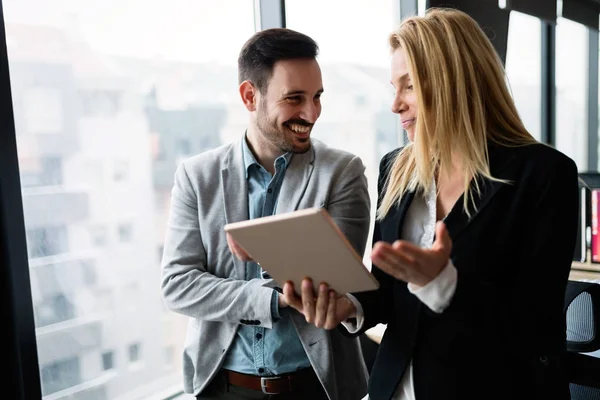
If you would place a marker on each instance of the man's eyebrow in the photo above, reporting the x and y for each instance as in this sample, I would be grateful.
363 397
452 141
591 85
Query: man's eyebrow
300 92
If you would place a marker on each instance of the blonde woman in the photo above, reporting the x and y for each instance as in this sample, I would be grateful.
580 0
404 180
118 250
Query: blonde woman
474 236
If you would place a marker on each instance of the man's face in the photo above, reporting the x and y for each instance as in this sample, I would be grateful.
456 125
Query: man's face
291 104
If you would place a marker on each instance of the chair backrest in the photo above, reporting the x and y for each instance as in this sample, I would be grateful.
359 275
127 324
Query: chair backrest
582 309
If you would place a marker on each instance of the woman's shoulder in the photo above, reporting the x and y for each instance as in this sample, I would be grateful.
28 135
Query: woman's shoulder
535 163
543 156
388 159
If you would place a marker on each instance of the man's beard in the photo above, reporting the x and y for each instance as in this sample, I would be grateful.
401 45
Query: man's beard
283 138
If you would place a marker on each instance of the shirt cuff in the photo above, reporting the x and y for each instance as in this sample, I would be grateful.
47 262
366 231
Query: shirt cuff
275 306
355 325
438 293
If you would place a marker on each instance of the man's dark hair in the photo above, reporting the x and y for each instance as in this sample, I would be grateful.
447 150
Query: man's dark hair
265 48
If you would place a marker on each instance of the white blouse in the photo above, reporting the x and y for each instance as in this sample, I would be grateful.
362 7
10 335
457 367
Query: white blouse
419 228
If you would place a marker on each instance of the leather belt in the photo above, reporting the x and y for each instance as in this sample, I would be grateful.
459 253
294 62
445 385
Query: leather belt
302 379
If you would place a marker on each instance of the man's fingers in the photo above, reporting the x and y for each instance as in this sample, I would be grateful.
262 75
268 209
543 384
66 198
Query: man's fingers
331 320
308 300
290 297
322 305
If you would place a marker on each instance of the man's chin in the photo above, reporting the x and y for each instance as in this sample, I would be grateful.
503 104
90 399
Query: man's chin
301 146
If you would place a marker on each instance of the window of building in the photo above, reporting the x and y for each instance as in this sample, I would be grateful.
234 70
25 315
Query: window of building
108 360
134 352
60 375
125 232
46 241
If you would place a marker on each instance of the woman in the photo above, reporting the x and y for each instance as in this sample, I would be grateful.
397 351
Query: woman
475 232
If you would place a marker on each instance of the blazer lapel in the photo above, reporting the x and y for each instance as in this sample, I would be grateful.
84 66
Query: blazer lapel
234 183
391 226
295 181
457 220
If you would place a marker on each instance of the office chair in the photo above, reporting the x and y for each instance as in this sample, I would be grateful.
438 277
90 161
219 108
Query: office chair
582 309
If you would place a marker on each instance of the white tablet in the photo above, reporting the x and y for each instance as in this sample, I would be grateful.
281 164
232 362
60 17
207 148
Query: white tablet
304 243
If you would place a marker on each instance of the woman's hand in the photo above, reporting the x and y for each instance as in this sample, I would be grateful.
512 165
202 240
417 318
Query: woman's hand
413 264
325 309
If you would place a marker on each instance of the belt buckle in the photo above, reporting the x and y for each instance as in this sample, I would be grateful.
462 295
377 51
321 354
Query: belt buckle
263 383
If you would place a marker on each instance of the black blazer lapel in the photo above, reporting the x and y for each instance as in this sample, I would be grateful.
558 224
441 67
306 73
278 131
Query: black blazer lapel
391 226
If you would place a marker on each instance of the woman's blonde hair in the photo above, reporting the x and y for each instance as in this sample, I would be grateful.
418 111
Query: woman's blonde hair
463 101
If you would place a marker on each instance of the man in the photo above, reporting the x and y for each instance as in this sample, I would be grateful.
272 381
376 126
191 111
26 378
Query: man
243 342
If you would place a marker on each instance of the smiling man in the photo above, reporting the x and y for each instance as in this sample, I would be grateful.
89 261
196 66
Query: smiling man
243 341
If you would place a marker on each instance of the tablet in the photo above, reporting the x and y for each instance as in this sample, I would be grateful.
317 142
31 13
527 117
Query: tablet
304 243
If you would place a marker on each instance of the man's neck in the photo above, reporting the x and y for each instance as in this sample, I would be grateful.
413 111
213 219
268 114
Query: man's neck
264 152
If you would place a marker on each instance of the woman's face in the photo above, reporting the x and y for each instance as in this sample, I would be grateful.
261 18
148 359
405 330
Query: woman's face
405 97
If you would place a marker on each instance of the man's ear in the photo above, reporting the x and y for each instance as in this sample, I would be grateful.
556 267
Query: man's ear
248 93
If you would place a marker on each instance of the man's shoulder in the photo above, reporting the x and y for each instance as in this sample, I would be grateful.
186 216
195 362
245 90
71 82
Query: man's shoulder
327 154
208 159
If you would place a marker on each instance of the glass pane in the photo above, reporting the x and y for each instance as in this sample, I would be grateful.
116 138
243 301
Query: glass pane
108 96
524 69
571 90
356 103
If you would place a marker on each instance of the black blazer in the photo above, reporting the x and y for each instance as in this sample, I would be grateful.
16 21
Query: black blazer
503 334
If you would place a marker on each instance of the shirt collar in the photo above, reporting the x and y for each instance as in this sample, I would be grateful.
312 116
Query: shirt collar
250 160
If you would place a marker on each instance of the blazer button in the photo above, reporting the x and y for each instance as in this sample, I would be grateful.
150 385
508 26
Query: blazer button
544 359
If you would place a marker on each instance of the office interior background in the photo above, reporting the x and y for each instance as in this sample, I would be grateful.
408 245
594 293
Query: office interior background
101 99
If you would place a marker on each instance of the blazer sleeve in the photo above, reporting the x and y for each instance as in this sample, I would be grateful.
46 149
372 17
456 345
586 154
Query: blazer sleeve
349 204
188 288
541 267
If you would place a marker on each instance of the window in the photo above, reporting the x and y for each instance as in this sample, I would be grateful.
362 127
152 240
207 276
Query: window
88 269
108 360
524 69
53 309
125 232
60 375
45 171
134 353
356 103
91 105
98 236
47 241
571 90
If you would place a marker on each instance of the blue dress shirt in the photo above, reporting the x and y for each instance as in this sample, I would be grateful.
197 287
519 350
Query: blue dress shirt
257 350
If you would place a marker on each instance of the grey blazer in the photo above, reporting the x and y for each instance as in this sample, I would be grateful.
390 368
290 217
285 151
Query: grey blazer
203 280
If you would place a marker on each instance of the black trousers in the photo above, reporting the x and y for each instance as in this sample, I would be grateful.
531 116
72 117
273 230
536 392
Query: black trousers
221 389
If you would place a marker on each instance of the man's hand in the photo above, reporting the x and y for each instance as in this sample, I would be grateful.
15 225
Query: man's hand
410 263
236 249
325 309
281 301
